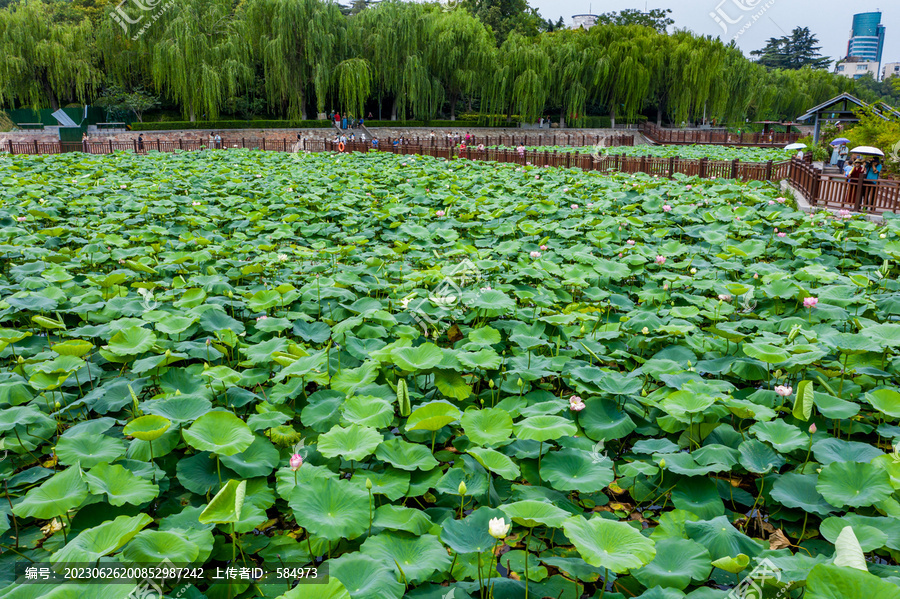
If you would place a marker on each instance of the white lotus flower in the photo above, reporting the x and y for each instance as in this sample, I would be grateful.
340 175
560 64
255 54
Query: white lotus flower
498 528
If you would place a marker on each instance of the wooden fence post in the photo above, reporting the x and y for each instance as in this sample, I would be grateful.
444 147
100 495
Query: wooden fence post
157 145
180 143
110 146
36 147
734 168
702 172
859 194
769 171
9 141
134 144
671 167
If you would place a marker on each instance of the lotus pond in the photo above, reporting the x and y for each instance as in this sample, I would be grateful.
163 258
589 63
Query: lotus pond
443 380
697 152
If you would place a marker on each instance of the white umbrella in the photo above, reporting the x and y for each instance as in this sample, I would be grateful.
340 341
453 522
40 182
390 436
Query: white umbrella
795 147
867 151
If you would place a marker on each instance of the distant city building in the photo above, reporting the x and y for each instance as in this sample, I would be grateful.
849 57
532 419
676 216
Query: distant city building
855 68
586 21
867 39
891 69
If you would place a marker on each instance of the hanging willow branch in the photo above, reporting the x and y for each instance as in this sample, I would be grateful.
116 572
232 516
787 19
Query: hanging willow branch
354 83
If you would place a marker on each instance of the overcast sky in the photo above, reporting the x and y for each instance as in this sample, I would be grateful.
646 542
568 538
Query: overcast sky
829 20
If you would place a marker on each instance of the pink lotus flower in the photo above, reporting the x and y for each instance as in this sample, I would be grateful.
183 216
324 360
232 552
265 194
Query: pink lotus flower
195 203
844 213
812 428
22 219
667 208
544 248
783 390
782 234
535 255
780 200
296 462
576 404
439 213
810 302
689 187
630 242
660 260
258 318
565 189
724 297
621 254
123 186
665 286
771 202
574 206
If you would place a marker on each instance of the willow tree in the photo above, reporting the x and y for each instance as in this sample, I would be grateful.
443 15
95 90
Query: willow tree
353 78
198 56
696 73
392 37
577 68
45 62
298 43
629 52
459 52
520 81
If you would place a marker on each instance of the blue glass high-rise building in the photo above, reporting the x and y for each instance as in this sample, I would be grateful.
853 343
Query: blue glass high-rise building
867 37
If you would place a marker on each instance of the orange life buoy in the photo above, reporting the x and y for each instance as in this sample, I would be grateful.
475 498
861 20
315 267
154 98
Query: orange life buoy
341 147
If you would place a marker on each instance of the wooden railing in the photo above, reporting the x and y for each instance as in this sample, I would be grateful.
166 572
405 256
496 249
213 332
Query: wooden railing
837 192
588 161
716 137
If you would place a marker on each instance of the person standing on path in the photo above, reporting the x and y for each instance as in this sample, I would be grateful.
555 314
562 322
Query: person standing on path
141 142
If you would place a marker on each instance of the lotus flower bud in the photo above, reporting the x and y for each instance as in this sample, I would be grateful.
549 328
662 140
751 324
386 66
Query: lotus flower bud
662 463
520 382
812 428
462 488
369 484
296 462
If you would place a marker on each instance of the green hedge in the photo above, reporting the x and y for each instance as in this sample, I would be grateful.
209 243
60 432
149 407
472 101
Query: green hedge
187 125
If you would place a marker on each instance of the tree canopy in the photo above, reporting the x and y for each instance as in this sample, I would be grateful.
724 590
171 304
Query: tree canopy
287 58
794 51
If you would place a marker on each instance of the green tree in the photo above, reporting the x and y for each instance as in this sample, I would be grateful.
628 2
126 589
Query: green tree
657 18
793 51
43 62
199 57
507 16
298 44
459 53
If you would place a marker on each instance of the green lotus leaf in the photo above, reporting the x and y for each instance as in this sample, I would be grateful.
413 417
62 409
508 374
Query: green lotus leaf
471 534
364 576
331 509
853 484
155 546
533 513
721 538
351 443
221 433
432 416
406 456
147 428
88 449
837 582
489 426
544 428
415 557
131 341
607 544
677 563
227 504
496 462
575 470
55 496
93 543
413 359
120 485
